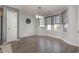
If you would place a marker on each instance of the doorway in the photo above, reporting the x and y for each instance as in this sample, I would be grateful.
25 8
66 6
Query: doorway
1 25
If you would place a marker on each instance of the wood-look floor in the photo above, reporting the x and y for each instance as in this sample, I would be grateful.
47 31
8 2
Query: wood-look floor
42 44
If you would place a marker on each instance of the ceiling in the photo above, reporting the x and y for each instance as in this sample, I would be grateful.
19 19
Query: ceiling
46 10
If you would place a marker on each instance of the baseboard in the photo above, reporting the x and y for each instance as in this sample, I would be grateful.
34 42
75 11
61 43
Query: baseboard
28 36
54 37
70 43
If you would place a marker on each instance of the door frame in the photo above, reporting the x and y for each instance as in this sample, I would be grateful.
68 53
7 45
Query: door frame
5 8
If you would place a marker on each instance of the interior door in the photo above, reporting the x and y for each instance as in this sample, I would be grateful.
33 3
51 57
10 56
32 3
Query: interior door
11 26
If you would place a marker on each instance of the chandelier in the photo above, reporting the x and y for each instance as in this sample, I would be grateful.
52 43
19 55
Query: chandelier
38 15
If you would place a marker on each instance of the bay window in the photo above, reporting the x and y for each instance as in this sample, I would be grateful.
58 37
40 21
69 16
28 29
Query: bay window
55 23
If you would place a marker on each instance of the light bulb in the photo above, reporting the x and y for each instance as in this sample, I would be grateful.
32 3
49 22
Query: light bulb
42 17
37 16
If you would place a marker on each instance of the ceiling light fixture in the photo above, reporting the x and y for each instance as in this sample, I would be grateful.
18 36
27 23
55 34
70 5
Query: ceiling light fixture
38 13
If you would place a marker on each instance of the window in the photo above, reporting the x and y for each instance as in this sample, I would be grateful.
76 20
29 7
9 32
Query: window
41 22
48 23
56 19
56 27
57 23
48 27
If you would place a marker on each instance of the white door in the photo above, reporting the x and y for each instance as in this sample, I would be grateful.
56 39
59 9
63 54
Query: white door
11 26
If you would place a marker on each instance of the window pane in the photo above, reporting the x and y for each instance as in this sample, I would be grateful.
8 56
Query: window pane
52 20
52 27
41 22
48 27
48 21
57 19
58 27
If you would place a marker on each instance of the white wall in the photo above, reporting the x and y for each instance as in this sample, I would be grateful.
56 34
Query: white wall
72 25
26 29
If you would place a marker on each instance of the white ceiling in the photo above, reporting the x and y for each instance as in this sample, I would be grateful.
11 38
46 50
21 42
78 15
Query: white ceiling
46 10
